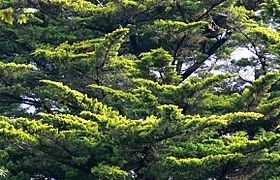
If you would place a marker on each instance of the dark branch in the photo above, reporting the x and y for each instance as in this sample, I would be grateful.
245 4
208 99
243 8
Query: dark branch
5 97
181 11
209 53
179 44
210 9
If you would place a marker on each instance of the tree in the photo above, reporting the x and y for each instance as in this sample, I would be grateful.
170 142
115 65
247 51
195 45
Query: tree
126 89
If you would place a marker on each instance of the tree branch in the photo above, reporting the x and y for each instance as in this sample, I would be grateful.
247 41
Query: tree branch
17 99
210 9
209 53
179 44
181 11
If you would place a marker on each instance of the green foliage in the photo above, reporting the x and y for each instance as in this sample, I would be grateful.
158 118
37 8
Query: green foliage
158 63
193 163
6 15
271 9
143 89
108 172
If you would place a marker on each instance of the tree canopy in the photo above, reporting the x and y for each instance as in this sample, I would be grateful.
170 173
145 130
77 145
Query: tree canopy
139 89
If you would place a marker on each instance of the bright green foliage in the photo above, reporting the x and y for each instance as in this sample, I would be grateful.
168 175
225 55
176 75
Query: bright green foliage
144 89
157 63
6 14
9 14
91 61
